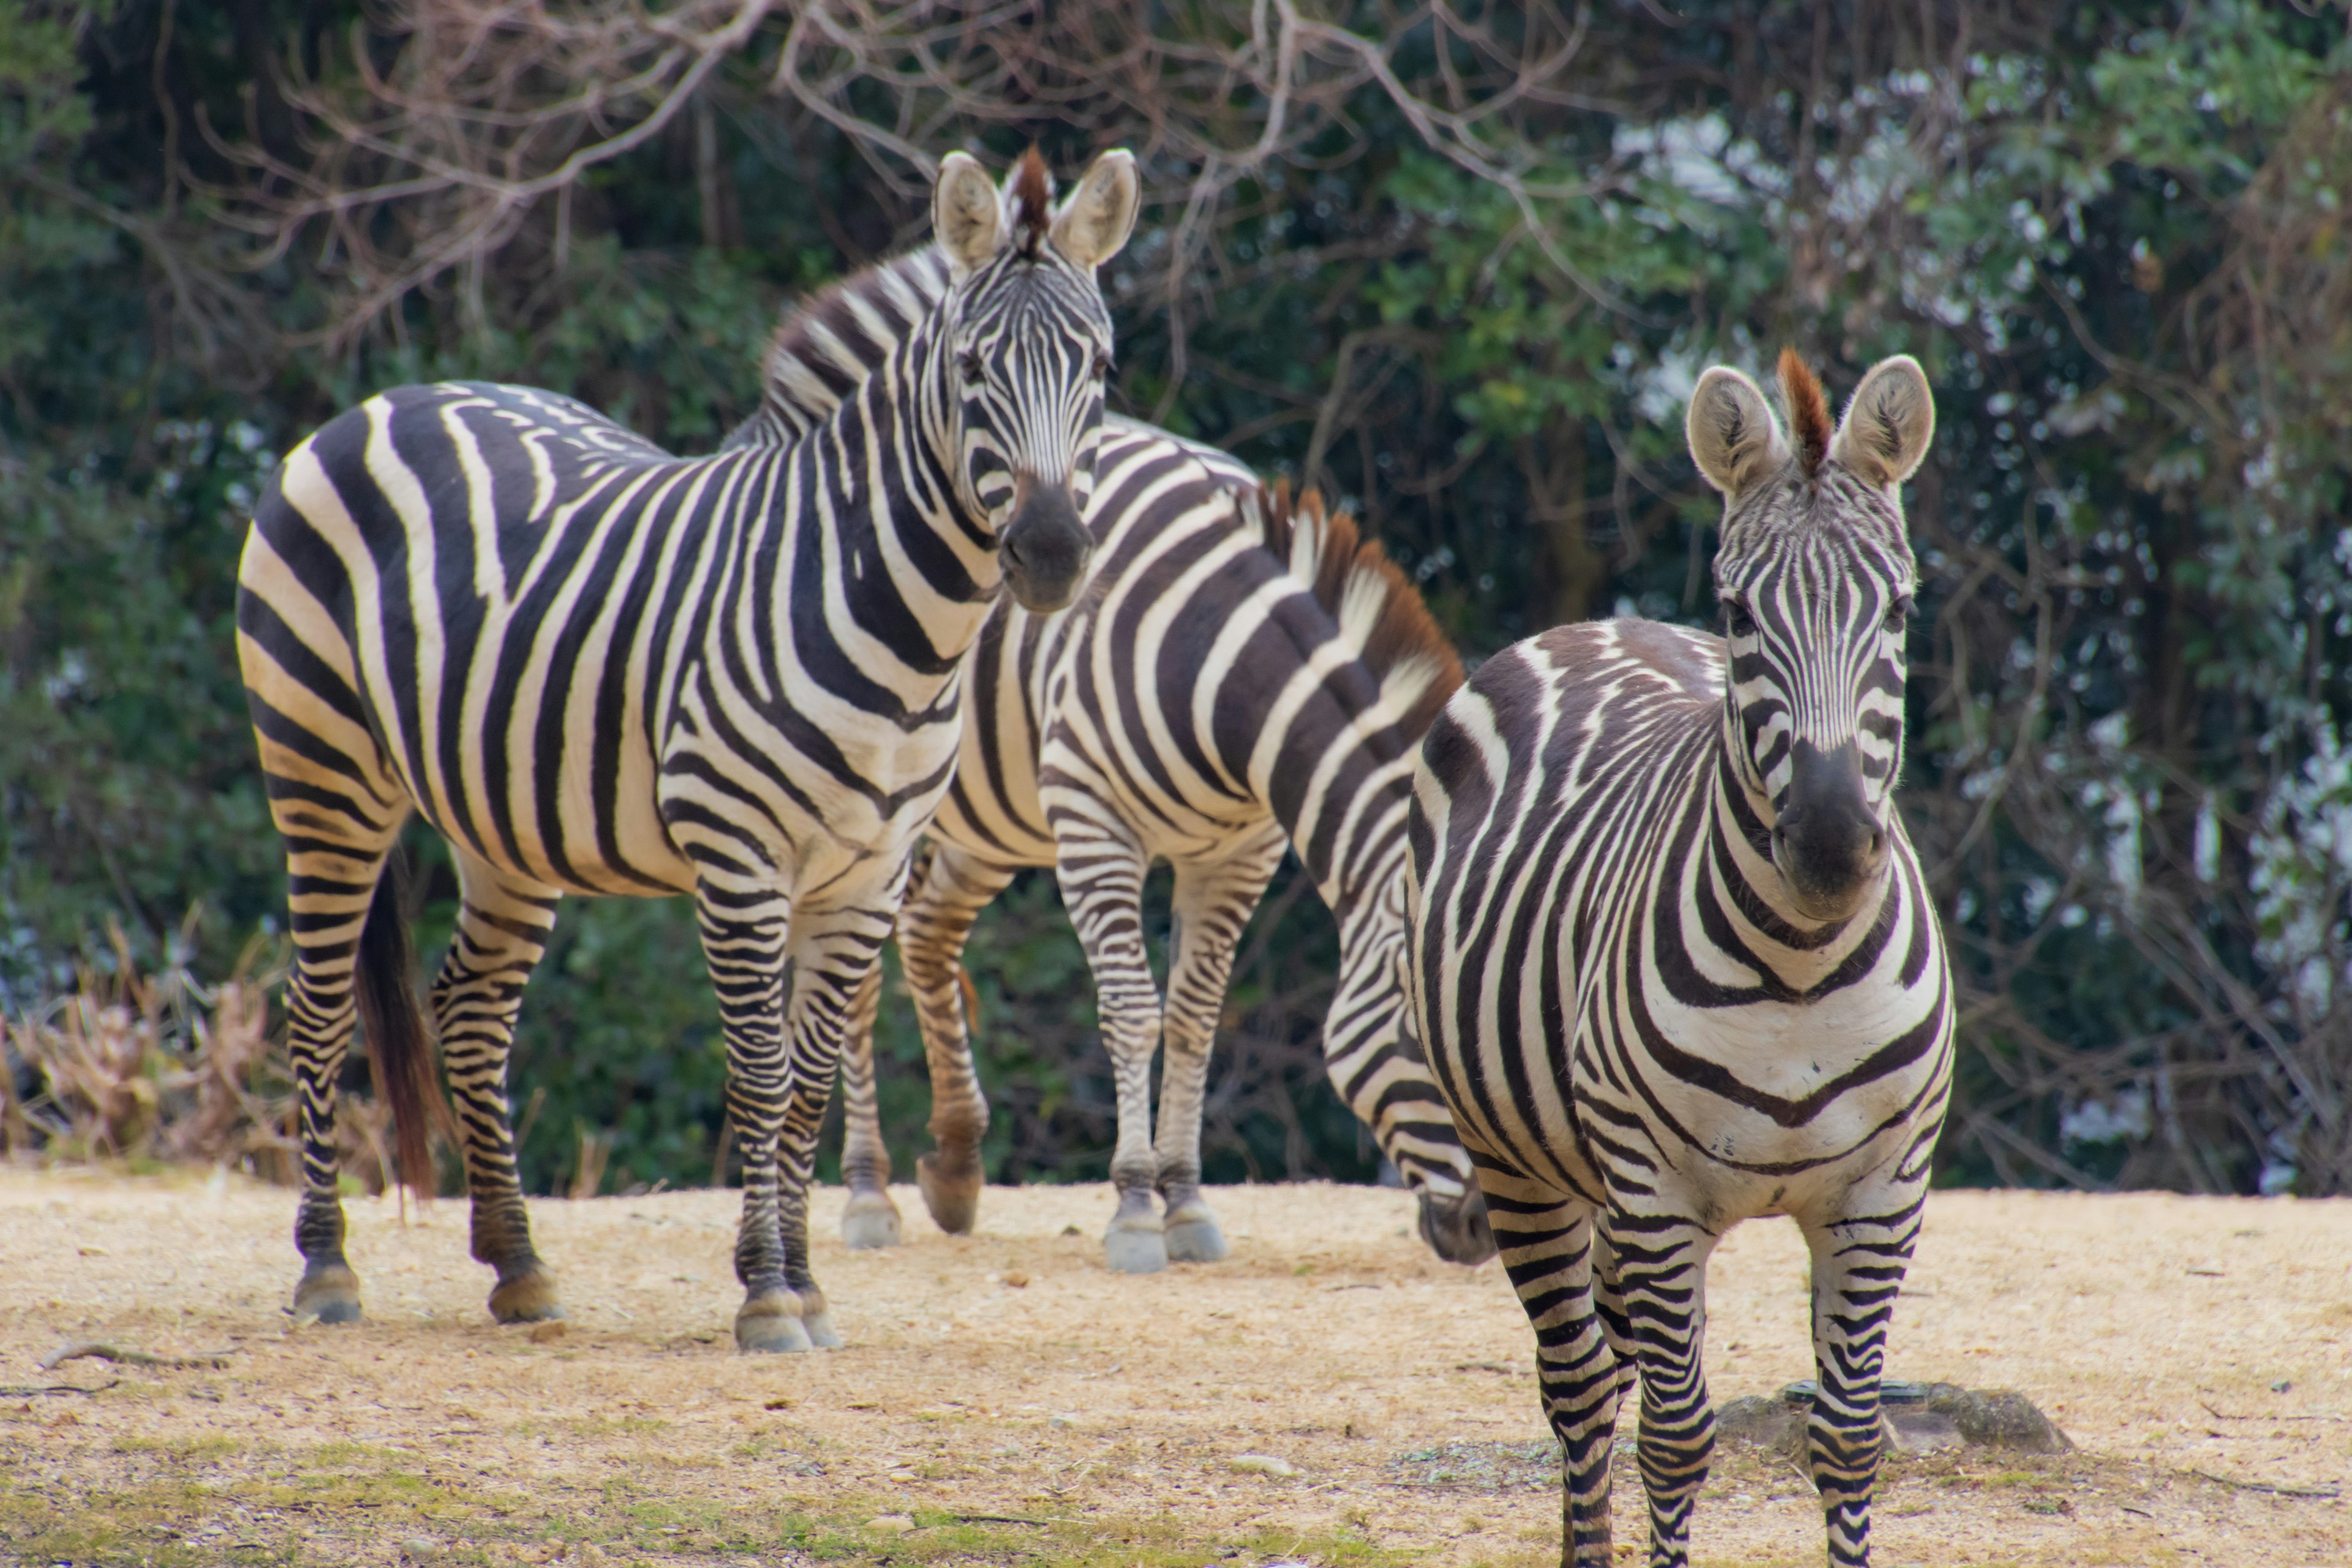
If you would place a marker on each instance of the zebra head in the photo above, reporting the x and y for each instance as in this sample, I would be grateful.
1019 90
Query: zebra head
1025 351
1816 577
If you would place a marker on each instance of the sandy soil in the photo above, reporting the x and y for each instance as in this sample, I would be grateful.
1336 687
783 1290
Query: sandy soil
2197 1351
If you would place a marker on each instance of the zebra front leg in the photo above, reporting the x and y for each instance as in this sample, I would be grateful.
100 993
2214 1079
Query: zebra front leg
742 930
869 1220
1659 1266
503 924
1546 1238
836 952
1101 870
1212 908
933 926
1859 1262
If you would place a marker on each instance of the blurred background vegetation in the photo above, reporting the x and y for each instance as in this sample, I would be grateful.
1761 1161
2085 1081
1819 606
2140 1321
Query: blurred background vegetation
1459 262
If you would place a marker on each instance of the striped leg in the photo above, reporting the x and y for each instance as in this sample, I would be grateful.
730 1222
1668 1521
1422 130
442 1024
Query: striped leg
835 953
742 931
1547 1240
1378 1067
1213 905
1659 1263
1859 1262
933 926
331 887
869 1220
1101 870
503 924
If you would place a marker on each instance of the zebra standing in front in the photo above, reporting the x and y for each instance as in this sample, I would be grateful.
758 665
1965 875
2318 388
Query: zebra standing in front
598 669
1246 673
1676 962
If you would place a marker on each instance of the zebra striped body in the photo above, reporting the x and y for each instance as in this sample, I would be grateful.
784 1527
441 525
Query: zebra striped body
1242 677
597 668
1676 966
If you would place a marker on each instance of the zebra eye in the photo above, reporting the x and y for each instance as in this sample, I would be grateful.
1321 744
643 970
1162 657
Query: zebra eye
1103 365
969 363
1898 614
1737 620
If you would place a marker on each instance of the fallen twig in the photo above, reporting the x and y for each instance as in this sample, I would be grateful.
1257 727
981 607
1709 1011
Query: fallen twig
2225 1415
1003 1518
37 1390
2270 1486
130 1355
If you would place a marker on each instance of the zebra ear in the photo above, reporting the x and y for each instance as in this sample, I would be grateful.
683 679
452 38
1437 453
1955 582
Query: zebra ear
1887 427
1090 227
967 215
1734 437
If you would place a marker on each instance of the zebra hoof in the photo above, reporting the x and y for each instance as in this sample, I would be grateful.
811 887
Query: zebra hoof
329 1292
951 1194
1456 1226
870 1221
771 1325
1193 1235
529 1298
1130 1248
820 1330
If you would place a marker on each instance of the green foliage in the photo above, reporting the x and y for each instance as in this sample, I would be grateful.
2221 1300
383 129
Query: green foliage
2116 236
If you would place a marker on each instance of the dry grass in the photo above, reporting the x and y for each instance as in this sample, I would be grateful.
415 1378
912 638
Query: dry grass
1106 1410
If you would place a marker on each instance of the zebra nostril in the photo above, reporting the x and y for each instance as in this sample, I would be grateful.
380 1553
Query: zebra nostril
1877 841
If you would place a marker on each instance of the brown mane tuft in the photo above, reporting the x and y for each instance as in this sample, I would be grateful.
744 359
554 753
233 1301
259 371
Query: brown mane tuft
1032 202
1809 410
1404 630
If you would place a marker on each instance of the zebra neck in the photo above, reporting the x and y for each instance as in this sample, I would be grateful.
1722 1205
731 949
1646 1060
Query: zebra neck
892 547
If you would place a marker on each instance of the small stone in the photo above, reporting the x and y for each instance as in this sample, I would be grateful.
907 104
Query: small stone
2280 1386
891 1523
548 1332
1017 1279
1059 1419
422 1548
1072 1230
1261 1464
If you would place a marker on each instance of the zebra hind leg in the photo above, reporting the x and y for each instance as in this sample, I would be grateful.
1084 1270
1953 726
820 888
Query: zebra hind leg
1211 907
869 1220
503 924
1546 1239
933 926
1858 1268
1101 871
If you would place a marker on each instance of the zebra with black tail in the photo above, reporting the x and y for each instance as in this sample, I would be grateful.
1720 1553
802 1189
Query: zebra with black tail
1676 962
1246 673
595 668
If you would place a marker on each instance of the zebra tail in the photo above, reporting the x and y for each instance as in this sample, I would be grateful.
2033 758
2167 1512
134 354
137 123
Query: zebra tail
399 1045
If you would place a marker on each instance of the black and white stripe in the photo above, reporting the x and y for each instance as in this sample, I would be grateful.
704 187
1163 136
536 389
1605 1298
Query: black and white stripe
1676 962
1242 675
595 668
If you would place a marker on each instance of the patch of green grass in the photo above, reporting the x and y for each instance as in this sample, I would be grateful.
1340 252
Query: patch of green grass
186 1450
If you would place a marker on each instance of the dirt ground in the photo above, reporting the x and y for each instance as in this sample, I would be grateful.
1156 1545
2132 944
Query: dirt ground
2198 1352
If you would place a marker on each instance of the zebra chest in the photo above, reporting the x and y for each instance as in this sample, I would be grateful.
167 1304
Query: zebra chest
1771 1088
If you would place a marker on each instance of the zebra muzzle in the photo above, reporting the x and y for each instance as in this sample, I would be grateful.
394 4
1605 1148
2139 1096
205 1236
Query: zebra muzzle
1829 847
1045 547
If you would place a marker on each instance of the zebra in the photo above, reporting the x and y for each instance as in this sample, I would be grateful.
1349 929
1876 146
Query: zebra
595 668
1291 668
1674 960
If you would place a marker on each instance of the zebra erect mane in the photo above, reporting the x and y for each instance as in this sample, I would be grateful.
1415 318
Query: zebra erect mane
1378 608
